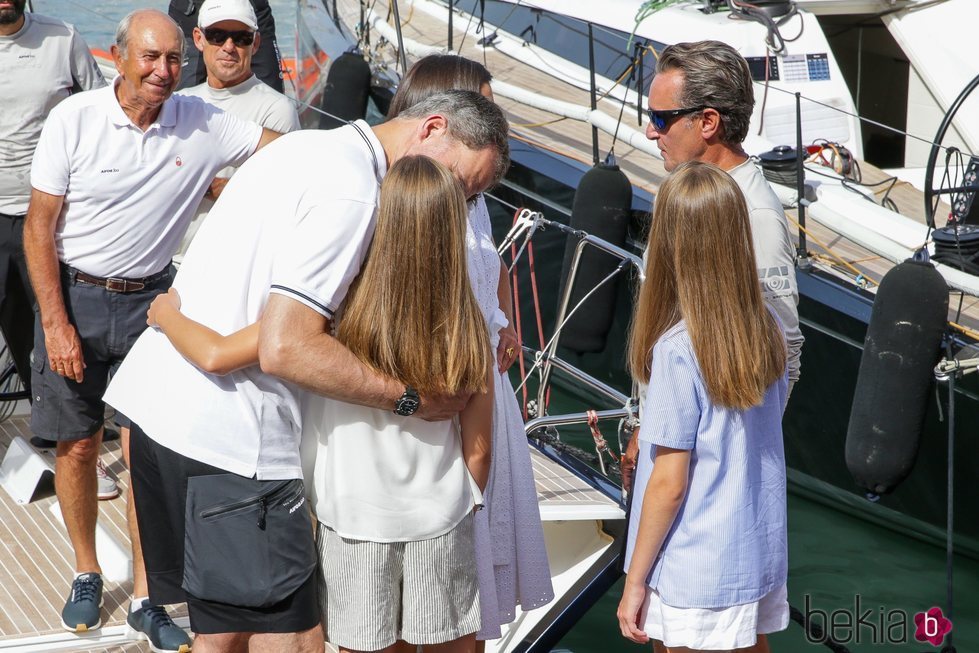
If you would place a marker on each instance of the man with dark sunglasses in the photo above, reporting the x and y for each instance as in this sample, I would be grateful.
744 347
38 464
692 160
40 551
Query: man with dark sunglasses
227 36
266 62
700 105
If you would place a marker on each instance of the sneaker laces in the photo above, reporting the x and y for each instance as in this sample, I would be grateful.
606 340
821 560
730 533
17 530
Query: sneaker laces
100 470
84 588
158 616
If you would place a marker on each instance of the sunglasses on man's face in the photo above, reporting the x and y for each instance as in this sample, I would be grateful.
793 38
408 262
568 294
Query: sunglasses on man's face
662 119
240 38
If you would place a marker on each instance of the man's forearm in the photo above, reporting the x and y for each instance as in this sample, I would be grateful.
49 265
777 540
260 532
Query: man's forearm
294 344
319 363
42 258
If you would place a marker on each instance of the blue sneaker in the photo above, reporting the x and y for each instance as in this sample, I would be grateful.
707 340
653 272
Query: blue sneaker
81 611
152 623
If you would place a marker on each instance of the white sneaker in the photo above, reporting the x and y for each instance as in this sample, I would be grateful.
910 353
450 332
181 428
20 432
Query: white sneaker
107 487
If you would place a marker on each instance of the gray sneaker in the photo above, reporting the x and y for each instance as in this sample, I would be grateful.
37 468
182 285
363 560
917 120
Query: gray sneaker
107 487
152 623
82 609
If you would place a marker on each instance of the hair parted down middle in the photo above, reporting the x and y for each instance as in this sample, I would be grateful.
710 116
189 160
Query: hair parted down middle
701 268
411 313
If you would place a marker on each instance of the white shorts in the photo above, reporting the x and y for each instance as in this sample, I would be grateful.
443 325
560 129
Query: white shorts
715 629
375 593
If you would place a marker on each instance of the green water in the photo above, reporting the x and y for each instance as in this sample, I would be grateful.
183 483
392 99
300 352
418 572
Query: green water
833 558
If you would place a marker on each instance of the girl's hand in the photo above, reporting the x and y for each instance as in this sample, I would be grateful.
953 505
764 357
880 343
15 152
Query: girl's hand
630 607
167 301
508 349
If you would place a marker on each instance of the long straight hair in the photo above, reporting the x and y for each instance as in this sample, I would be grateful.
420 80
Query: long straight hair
701 268
411 313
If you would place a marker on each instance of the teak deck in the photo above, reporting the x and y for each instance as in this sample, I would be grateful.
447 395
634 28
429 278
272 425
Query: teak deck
36 558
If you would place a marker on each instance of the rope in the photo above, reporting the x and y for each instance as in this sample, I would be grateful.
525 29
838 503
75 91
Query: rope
532 125
831 253
537 312
543 435
601 445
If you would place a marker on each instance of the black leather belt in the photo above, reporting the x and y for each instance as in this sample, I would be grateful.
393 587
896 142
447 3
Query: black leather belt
115 284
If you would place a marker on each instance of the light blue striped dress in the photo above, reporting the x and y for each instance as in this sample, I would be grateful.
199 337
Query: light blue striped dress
727 545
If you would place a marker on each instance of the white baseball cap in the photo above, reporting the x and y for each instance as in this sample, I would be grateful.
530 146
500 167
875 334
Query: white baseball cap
214 11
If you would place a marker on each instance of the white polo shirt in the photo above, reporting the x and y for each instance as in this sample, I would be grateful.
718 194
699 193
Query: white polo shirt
296 220
129 194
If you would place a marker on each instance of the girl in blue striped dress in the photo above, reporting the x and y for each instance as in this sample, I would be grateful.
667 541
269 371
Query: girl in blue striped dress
706 554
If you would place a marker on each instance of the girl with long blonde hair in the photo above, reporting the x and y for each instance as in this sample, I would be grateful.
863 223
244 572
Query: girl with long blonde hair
706 550
511 557
393 494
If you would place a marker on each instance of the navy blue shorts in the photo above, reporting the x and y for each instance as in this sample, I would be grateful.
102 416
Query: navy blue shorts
108 324
159 478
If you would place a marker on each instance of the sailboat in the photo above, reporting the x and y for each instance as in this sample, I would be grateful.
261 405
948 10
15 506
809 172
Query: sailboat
862 125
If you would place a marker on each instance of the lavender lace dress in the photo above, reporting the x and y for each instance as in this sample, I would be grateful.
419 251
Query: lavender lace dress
510 555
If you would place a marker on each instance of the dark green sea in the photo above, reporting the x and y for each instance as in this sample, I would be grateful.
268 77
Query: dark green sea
835 560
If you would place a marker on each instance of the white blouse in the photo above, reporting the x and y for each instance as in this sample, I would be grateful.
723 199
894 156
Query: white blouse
381 477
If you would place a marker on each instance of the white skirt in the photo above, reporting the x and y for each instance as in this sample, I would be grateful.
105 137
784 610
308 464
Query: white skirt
715 629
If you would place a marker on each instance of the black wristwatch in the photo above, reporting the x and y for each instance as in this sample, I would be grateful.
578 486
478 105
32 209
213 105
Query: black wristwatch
408 403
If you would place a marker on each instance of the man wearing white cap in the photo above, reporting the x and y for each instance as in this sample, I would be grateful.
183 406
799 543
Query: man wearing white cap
227 36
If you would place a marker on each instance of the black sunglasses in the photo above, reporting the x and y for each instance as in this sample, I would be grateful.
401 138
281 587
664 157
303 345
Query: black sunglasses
662 119
240 38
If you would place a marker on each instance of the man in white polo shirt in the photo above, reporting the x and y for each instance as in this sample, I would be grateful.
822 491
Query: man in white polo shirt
116 175
227 36
283 243
44 60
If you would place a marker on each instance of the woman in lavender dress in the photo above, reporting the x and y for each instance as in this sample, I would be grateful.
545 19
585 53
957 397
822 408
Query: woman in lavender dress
512 561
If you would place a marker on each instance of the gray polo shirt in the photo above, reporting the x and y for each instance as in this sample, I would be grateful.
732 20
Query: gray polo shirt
774 254
40 66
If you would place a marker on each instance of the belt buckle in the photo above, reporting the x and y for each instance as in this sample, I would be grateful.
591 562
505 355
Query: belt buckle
122 285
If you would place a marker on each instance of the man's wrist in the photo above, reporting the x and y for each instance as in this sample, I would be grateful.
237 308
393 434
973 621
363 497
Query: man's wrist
408 403
55 322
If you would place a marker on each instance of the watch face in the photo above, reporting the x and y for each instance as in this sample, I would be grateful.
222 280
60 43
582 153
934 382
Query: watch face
406 406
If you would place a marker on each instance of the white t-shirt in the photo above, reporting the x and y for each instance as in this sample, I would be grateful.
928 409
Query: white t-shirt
381 477
251 100
296 220
129 194
42 64
774 254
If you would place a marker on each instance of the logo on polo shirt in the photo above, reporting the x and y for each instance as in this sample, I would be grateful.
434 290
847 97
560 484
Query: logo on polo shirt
106 171
179 162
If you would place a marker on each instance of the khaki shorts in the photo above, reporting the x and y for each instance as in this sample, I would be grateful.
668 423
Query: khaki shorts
373 594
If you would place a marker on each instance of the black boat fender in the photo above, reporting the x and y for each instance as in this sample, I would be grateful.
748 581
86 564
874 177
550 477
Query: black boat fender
602 206
903 344
348 85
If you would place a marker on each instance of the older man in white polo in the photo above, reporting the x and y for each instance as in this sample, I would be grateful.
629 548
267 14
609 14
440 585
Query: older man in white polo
116 176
